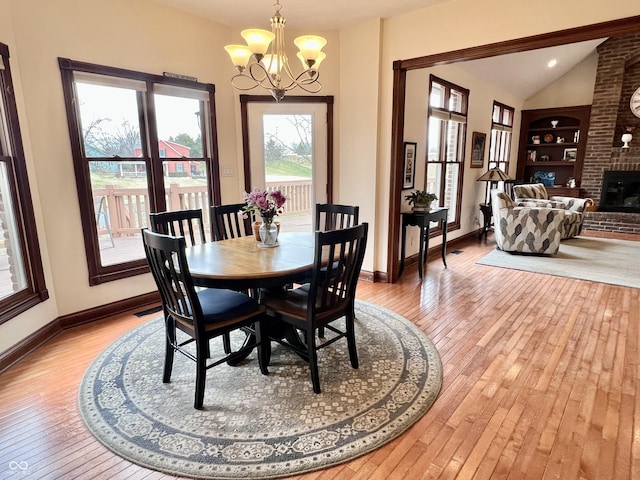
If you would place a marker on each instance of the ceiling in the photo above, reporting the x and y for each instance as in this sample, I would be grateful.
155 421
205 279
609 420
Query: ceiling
321 15
520 74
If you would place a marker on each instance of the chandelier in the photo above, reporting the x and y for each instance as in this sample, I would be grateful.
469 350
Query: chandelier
263 61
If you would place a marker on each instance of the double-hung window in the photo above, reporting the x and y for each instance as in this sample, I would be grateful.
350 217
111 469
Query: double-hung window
501 135
445 144
141 143
22 282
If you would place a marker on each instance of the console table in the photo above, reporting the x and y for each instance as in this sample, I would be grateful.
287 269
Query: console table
422 220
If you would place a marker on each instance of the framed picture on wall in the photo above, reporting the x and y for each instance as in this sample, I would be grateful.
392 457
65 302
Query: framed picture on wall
478 141
409 175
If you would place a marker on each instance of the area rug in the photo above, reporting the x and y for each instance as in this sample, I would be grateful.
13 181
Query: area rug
255 426
604 260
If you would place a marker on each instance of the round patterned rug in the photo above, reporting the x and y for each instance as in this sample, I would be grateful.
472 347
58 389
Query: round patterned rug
255 426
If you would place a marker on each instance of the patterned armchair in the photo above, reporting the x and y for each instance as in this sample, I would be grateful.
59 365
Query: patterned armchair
526 229
535 194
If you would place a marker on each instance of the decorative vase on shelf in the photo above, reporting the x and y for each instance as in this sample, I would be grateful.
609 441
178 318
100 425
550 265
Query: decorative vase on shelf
269 233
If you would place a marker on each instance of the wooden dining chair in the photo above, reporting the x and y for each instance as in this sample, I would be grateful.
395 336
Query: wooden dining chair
328 297
183 223
332 216
202 315
226 222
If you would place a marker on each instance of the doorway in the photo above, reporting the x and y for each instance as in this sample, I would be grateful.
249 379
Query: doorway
288 146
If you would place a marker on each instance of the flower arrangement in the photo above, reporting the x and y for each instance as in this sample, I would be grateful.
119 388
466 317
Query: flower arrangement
267 204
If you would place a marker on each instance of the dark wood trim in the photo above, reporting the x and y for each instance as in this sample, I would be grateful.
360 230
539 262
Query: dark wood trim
397 166
244 117
98 273
35 291
50 330
618 27
622 26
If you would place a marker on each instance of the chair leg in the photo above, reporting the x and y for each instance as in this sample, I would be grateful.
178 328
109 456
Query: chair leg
313 359
226 343
351 340
201 375
264 346
170 340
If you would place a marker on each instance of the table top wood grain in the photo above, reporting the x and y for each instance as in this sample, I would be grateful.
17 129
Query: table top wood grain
242 263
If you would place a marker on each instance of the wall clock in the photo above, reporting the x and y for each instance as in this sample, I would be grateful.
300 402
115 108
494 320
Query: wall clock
634 103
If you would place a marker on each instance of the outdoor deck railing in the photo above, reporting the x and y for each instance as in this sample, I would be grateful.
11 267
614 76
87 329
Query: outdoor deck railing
127 209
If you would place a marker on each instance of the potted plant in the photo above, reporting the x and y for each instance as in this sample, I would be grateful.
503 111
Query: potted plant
421 200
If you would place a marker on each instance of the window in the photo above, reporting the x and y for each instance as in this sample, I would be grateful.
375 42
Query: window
446 132
130 135
500 142
21 274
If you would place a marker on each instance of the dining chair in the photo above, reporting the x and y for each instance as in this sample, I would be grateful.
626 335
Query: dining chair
328 297
227 223
184 223
332 216
202 315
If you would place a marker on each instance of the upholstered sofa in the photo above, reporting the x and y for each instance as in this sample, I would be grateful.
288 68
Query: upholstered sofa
535 194
526 229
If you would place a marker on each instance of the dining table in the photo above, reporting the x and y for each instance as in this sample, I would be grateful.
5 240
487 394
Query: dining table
243 264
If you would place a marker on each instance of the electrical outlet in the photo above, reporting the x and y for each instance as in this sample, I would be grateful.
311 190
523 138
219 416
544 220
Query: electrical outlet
476 222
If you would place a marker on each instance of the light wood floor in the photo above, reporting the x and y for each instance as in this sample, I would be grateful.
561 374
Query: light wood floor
540 381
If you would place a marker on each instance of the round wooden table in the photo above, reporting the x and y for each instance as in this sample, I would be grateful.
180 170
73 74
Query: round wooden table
241 264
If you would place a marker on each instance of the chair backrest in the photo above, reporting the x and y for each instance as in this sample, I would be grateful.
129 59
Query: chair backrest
499 200
180 223
226 222
530 190
337 262
331 216
168 264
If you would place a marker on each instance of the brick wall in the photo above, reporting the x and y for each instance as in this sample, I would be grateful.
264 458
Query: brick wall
617 78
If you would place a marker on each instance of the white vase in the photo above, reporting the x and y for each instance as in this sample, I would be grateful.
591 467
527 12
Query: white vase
269 233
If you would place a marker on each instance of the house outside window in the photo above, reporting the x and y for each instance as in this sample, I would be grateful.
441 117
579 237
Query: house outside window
501 135
446 133
130 133
21 274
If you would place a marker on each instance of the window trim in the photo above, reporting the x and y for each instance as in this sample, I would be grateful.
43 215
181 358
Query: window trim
98 273
36 291
444 114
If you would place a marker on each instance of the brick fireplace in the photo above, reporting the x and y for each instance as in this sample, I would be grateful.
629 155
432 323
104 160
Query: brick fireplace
617 77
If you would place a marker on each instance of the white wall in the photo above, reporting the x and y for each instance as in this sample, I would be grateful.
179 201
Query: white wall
481 97
572 89
145 36
138 35
461 24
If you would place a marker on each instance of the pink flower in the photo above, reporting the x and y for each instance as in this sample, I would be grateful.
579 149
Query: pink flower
267 204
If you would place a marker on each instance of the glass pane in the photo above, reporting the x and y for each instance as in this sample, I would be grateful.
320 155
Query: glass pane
12 272
288 166
437 95
179 130
433 180
435 133
120 203
453 140
109 120
451 190
185 186
456 102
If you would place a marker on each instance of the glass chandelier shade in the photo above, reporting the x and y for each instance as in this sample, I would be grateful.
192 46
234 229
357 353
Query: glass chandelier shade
263 61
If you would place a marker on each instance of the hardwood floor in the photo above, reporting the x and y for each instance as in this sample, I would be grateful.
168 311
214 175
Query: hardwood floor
540 382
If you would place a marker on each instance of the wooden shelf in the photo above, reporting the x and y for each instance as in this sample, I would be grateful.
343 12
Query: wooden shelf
572 125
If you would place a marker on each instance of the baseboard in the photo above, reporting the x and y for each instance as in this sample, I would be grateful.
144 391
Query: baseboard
434 251
50 330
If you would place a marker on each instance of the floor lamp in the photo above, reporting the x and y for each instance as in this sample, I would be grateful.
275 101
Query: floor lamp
492 177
